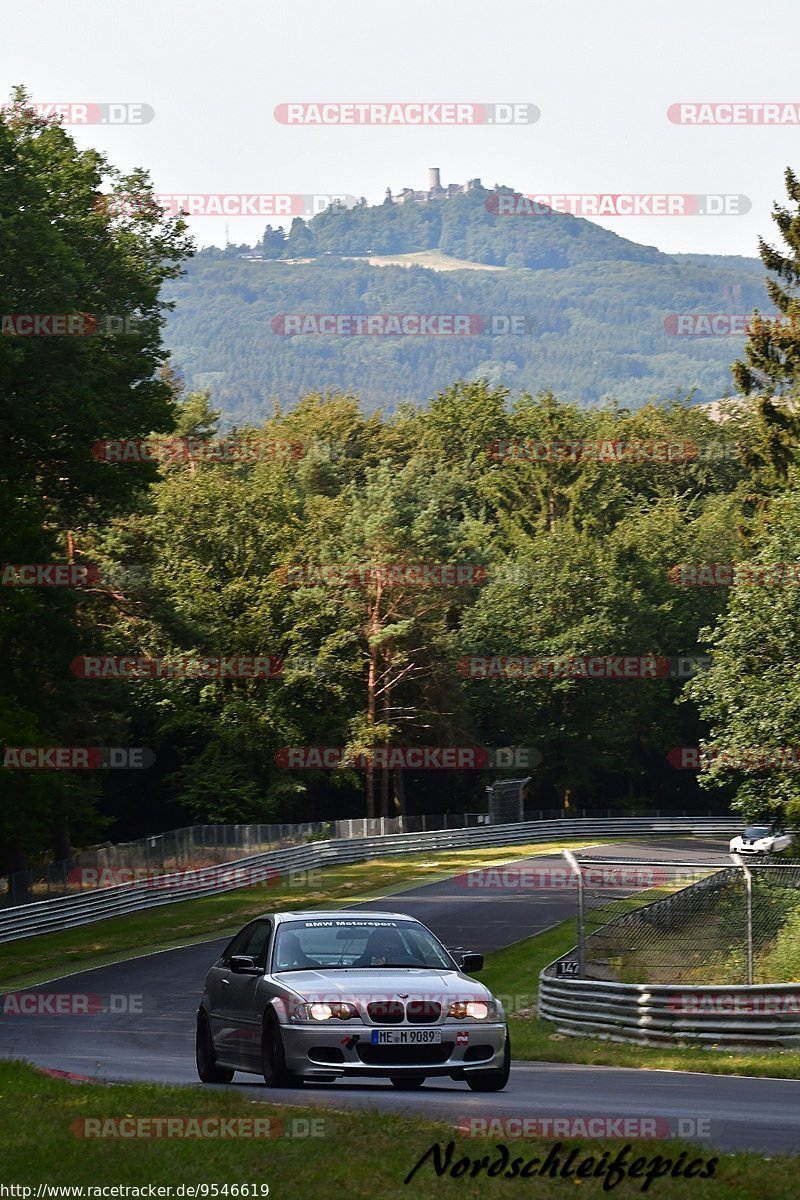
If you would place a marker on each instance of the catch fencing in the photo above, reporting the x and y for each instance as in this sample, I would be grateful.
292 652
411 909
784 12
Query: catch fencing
102 902
704 951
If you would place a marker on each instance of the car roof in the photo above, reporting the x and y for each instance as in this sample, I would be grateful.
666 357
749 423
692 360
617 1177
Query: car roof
339 914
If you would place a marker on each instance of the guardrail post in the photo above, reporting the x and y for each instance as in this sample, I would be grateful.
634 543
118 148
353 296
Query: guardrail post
581 947
748 878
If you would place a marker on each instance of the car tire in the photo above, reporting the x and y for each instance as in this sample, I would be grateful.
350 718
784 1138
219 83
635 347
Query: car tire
273 1058
206 1055
407 1083
495 1080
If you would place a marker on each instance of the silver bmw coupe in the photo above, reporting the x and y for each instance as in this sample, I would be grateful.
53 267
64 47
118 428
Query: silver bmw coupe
321 995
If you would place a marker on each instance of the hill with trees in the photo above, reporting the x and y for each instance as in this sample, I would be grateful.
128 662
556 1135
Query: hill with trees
598 310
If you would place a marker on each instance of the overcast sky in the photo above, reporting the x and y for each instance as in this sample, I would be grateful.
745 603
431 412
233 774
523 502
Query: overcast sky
602 74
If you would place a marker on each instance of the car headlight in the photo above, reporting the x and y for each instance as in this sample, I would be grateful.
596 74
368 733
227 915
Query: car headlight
478 1010
324 1012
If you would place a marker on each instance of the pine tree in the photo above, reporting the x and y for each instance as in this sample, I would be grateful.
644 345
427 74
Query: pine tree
771 363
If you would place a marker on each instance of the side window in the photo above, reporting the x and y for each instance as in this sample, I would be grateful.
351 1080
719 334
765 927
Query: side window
251 940
257 941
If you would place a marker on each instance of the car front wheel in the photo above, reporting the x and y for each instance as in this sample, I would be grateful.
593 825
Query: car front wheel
273 1058
206 1056
494 1080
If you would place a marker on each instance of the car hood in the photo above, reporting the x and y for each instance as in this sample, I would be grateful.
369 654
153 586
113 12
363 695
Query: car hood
383 983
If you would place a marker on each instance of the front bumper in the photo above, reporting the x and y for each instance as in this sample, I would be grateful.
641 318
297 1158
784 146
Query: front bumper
346 1049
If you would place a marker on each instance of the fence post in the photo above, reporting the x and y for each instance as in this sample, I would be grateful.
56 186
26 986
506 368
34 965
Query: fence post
573 862
748 878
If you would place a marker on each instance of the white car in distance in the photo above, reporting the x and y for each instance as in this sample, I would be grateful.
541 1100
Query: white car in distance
760 839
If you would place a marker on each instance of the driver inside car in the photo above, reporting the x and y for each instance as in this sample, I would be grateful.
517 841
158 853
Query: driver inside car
385 947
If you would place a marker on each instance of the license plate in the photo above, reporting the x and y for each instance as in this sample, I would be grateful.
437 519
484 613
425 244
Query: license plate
406 1037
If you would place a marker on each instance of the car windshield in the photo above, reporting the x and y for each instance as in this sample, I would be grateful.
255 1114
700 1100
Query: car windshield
344 943
757 831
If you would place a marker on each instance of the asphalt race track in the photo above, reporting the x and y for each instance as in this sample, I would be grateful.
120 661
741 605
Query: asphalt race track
149 1034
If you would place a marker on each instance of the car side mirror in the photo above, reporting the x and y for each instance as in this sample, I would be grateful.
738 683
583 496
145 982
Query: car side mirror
243 964
471 963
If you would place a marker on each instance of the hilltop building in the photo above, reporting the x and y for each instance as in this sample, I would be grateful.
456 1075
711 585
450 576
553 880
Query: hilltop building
435 190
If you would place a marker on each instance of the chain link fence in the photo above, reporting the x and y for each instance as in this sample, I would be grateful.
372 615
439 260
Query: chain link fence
713 921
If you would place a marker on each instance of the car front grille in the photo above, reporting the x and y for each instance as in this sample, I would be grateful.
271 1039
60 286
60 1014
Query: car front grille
393 1012
423 1012
404 1056
386 1012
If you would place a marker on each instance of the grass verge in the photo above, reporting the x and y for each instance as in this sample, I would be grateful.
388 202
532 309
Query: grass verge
513 973
354 1155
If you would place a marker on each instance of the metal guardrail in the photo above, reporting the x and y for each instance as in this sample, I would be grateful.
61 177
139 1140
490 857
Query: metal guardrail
67 912
659 1014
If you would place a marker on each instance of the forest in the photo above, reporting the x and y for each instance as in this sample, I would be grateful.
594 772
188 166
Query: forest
355 562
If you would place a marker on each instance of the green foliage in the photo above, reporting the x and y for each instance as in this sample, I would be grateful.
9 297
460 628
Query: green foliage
782 963
64 251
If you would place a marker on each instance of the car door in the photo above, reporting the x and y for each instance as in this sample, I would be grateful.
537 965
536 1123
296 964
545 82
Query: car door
233 996
217 985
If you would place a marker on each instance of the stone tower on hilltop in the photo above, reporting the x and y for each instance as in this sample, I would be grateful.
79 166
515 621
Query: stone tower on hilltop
435 190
